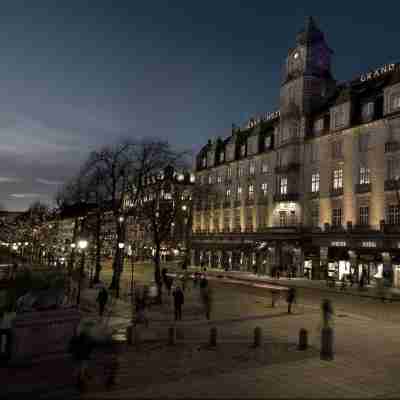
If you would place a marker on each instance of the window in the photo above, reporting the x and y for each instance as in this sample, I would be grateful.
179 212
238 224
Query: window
364 214
237 219
252 168
392 168
267 142
229 172
202 180
396 101
337 149
227 219
294 130
314 152
338 179
222 156
315 182
337 217
363 142
338 117
251 192
283 185
315 215
249 218
367 110
228 193
219 178
243 150
204 162
264 188
364 176
264 167
282 218
393 215
318 125
210 180
240 171
239 193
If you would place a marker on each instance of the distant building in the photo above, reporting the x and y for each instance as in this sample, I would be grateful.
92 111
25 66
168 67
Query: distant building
313 186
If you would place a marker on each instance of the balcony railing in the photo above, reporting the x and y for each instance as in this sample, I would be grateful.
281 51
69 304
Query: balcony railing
363 187
286 197
391 184
391 146
336 192
281 169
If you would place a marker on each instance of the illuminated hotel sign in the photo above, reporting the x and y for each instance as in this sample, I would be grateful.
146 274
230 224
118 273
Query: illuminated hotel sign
263 118
368 244
377 73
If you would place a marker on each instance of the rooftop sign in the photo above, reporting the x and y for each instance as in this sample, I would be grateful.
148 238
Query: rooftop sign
377 73
263 118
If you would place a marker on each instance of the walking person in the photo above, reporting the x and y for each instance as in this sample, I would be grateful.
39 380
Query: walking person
291 298
178 302
102 300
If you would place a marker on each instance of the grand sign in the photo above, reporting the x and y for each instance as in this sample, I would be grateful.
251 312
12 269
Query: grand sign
263 118
377 73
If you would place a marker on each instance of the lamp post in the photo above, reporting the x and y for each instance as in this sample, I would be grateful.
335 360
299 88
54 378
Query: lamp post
120 264
82 244
130 254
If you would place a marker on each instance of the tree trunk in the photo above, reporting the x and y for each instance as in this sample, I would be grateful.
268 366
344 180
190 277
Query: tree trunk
157 272
98 249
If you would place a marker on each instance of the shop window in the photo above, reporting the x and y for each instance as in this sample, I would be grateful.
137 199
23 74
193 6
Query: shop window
337 217
315 182
282 218
364 176
364 215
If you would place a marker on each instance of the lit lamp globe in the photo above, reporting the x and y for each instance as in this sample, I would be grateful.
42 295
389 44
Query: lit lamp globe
26 243
73 245
121 245
82 244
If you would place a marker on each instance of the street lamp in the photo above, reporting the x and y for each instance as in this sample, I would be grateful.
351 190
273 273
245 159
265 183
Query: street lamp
120 264
82 244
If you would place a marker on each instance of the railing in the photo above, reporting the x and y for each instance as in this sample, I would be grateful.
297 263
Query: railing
286 197
391 184
336 192
293 166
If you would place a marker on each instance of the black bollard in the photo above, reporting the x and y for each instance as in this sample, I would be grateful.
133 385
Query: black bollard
257 336
327 343
213 337
303 339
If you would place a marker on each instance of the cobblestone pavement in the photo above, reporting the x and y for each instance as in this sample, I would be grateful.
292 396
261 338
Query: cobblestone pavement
367 354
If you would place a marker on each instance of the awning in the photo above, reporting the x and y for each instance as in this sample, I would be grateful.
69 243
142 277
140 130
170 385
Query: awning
338 253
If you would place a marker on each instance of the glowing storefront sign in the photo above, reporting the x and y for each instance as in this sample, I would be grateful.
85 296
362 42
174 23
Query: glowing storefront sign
368 244
378 72
338 244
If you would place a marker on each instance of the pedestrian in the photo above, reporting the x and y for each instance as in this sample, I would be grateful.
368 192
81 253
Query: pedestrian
102 300
184 278
178 302
164 276
195 279
207 296
81 347
203 283
361 283
111 369
327 313
343 286
291 298
351 280
169 281
277 273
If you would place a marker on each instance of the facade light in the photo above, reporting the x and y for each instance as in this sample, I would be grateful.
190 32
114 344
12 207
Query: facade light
121 245
82 244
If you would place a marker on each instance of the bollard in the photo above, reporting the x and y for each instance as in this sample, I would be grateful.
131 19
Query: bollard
129 333
171 336
327 344
257 336
213 337
303 339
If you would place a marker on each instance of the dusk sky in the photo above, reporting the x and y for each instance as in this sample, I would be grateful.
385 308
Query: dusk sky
75 75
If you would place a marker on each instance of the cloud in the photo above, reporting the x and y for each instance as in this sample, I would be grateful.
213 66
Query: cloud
24 195
48 181
8 179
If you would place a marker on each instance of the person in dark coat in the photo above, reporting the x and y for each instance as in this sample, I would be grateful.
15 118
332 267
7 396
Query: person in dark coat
168 284
102 300
203 283
178 301
291 297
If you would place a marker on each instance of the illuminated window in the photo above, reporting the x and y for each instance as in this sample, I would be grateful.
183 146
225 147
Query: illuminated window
251 192
243 150
393 215
229 172
283 218
219 178
283 186
228 193
264 168
222 156
392 165
364 216
264 188
204 162
239 193
338 179
210 180
337 217
252 168
240 172
315 182
364 176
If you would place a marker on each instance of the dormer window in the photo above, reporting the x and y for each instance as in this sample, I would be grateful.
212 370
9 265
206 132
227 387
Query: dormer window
222 156
318 125
243 150
367 110
396 101
204 162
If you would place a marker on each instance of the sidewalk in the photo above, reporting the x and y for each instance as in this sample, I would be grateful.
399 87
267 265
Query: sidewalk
368 291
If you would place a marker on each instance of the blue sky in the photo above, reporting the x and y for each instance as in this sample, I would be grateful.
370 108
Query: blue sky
75 75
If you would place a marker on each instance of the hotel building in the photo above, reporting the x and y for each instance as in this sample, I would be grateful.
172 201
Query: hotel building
311 187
